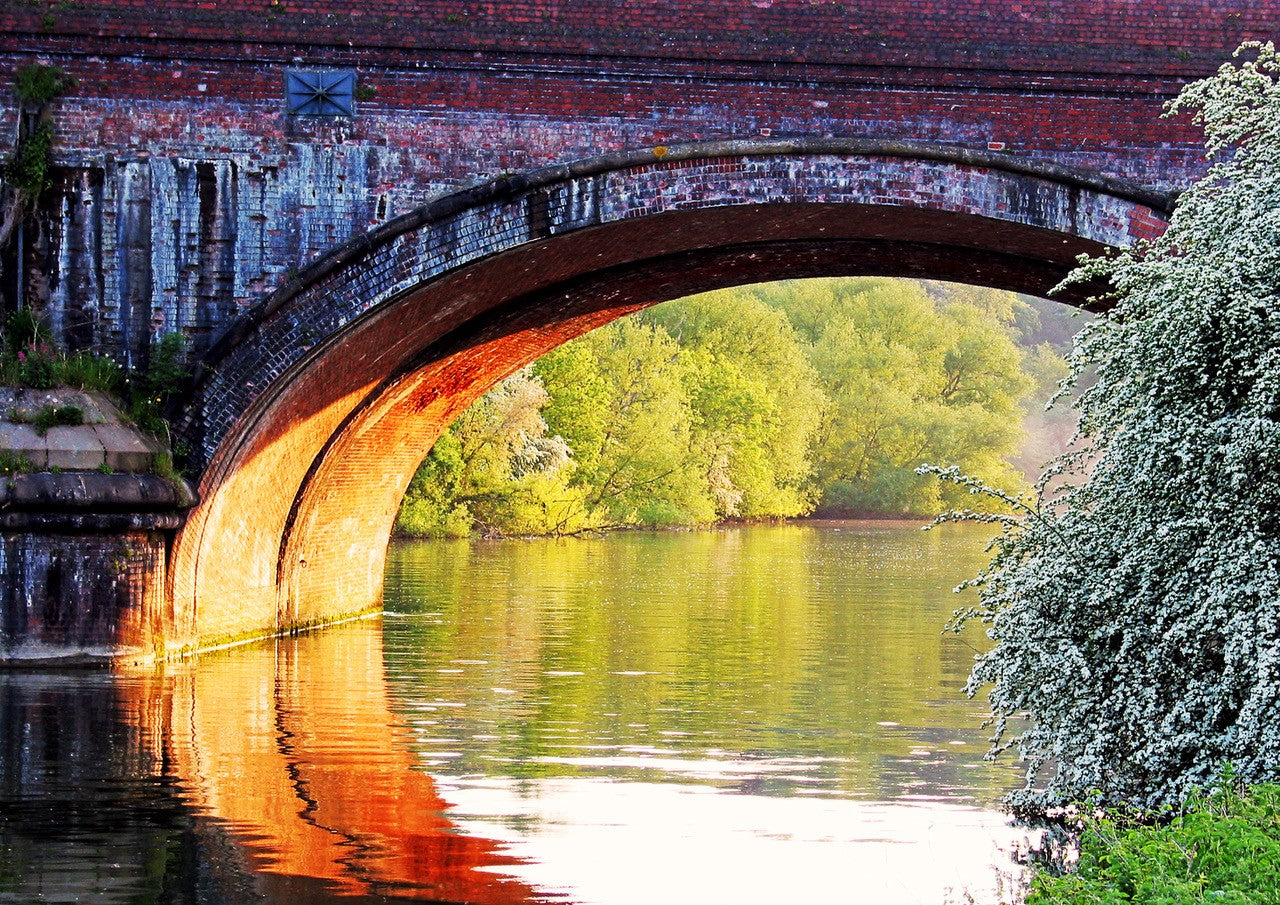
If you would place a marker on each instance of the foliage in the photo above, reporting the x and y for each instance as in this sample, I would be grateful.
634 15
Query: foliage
40 84
749 403
12 463
149 391
701 410
23 329
30 169
1221 847
755 402
431 507
1134 607
27 173
87 371
28 359
495 468
643 472
56 415
162 466
914 373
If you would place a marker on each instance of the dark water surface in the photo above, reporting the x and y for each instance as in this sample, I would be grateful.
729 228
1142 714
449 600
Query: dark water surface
759 714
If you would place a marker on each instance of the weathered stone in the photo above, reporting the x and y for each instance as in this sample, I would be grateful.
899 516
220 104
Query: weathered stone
84 597
21 441
90 490
104 436
74 448
124 448
98 409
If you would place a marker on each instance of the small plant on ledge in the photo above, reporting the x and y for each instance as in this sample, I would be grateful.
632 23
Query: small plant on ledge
28 172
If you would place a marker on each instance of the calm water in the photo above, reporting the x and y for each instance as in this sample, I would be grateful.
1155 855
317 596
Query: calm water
760 714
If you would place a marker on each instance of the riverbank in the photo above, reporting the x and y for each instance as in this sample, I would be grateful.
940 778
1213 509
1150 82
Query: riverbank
816 521
1221 845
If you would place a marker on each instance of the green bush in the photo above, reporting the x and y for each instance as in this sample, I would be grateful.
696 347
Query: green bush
23 329
1221 847
149 391
87 371
28 358
12 463
30 168
430 516
57 415
39 84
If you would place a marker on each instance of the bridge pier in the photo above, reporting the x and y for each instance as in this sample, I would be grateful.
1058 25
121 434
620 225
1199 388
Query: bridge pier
82 596
85 535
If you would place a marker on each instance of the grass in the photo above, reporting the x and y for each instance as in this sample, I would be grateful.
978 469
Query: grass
14 463
28 358
50 416
1221 847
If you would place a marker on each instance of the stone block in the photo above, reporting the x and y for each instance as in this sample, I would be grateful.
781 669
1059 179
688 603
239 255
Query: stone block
98 409
124 448
74 448
22 440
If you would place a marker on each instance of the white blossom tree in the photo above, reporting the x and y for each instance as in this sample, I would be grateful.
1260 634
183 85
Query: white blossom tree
1135 605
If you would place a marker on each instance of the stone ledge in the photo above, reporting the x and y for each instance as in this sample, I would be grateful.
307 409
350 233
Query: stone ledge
105 440
38 655
81 491
30 522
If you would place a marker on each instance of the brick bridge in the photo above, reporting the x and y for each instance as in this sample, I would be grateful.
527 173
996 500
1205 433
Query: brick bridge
502 177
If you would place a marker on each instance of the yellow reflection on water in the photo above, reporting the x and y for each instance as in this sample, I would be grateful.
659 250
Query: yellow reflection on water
746 713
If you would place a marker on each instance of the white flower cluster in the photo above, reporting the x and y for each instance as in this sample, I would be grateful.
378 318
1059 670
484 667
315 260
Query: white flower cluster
1136 605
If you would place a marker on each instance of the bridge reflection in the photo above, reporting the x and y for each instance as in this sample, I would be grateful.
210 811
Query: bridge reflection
276 773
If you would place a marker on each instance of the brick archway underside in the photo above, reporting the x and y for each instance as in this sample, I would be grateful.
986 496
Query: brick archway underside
310 419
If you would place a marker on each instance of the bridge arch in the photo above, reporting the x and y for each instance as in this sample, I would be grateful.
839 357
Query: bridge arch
309 417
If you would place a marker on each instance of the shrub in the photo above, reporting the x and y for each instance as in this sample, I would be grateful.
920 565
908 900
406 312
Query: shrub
87 371
149 391
1134 607
1221 847
12 463
40 84
57 415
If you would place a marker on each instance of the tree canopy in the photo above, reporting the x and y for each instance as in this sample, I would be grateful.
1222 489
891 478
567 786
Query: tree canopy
767 401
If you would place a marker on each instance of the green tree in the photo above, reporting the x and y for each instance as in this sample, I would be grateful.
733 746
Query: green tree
755 398
912 376
1134 608
431 505
496 468
717 406
643 472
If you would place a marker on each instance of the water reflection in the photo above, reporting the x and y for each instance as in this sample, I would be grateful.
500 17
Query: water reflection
737 716
757 711
274 773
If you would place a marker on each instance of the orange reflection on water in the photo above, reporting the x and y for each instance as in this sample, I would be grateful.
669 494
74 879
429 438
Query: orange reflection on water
294 747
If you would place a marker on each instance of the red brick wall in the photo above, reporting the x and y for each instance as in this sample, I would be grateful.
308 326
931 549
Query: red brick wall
1173 39
193 194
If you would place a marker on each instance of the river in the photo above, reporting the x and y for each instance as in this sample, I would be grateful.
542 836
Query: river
754 714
